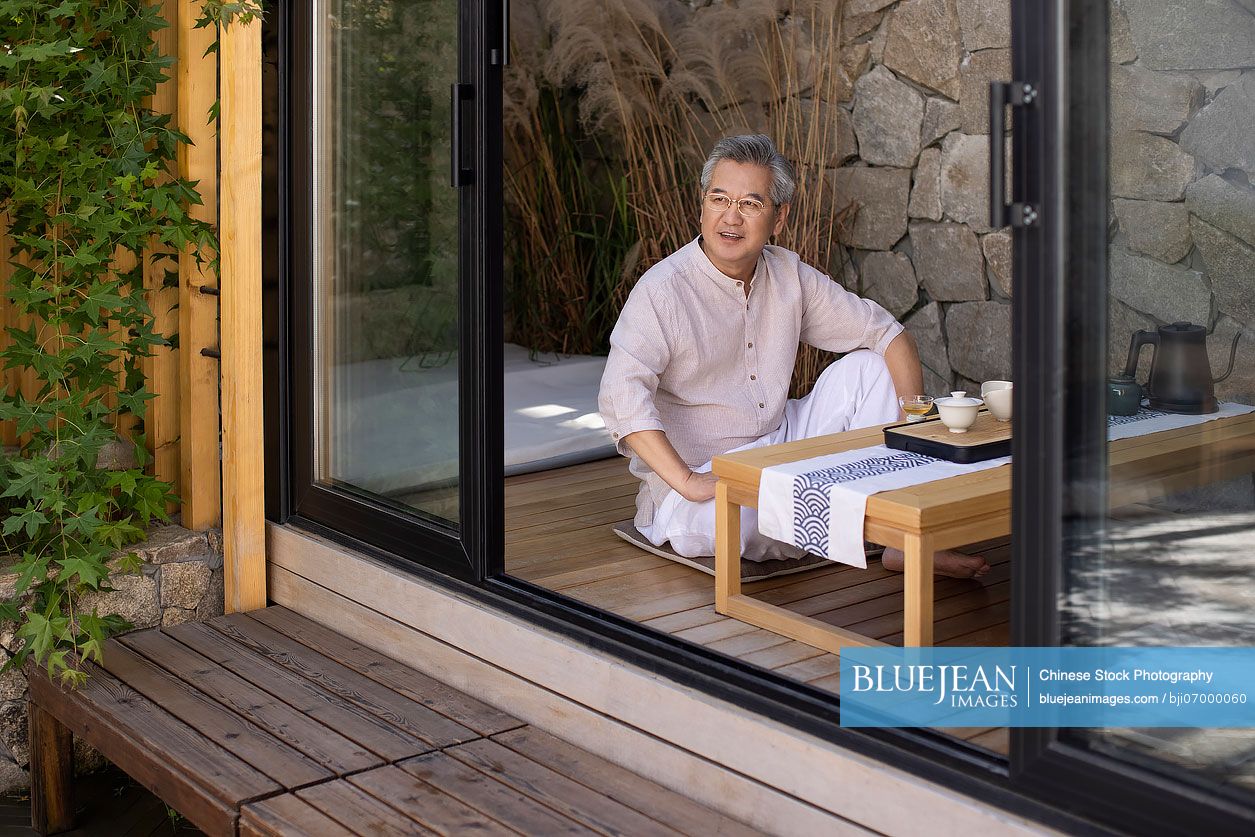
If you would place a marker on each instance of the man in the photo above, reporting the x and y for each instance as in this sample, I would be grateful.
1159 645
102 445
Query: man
702 356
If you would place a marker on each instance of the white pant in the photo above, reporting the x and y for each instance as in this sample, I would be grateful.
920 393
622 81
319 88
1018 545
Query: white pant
855 391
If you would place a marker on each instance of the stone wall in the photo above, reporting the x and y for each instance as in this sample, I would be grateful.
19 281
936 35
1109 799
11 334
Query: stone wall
1182 155
181 581
921 244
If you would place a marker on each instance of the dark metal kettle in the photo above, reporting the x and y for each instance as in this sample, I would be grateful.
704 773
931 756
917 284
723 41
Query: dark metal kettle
1180 373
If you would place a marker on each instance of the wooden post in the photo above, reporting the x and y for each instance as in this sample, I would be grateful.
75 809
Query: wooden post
243 431
200 476
51 772
161 370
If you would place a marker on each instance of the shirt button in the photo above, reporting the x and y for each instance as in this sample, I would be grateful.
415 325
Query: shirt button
614 435
753 377
761 404
751 345
738 284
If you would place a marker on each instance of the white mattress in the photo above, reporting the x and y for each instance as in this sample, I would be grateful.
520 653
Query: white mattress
396 428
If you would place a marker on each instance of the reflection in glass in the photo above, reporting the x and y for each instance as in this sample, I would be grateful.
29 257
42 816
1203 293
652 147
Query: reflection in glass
386 252
1172 563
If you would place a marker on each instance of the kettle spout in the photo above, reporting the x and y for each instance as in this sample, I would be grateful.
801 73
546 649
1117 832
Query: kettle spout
1233 353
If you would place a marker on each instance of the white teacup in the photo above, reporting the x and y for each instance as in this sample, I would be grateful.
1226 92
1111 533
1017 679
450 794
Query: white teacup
998 398
990 386
958 412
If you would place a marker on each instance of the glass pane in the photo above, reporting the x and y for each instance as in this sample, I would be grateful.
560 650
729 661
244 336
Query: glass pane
386 245
1171 564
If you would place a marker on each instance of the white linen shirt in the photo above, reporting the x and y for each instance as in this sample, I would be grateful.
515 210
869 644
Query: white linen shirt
691 356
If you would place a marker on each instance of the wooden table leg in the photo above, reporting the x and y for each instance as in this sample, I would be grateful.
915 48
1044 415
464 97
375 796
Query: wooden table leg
917 629
727 548
51 772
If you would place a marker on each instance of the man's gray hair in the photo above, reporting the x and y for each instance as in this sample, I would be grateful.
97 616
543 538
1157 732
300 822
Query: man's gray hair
759 150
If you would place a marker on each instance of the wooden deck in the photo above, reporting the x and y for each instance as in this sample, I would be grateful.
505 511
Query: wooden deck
558 536
267 723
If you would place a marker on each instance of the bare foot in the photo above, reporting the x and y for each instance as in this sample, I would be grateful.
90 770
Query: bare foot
945 562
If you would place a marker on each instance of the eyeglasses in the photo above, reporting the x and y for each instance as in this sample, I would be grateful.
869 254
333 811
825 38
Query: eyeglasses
748 207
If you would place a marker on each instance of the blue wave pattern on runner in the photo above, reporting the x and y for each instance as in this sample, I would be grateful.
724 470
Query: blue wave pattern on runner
811 500
1140 415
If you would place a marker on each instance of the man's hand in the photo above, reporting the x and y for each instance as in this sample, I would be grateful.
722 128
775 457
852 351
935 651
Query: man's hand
698 488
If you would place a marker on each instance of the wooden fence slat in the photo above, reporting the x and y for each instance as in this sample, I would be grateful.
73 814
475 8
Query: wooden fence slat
243 429
200 482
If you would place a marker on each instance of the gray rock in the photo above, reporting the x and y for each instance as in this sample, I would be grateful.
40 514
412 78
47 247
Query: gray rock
889 279
854 26
980 340
925 327
1122 322
941 116
997 249
887 118
1222 135
1240 385
1158 103
837 143
965 180
1120 38
171 543
211 604
948 261
977 71
1167 292
184 585
856 8
926 194
134 598
117 455
1191 34
1231 268
985 23
1149 168
1224 205
1213 83
881 195
13 730
177 616
13 779
924 44
1158 230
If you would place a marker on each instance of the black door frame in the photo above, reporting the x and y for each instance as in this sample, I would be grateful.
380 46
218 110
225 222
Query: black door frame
1053 49
465 551
1060 358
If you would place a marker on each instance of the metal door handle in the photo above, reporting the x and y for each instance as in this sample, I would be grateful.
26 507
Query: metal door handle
459 174
1001 213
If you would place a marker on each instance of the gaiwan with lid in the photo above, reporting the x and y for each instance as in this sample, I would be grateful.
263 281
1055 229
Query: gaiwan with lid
958 412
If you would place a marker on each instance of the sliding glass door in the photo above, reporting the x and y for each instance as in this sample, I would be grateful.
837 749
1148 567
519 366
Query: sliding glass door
1135 501
395 244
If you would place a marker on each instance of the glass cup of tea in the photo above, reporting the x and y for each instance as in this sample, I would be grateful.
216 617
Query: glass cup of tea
915 406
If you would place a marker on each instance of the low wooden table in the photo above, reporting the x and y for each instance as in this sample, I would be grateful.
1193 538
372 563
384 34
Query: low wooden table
948 513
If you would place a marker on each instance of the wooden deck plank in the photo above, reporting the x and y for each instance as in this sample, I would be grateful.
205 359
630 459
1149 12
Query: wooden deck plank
402 712
353 808
582 804
243 738
782 654
630 789
484 793
288 815
439 697
426 805
376 735
136 729
296 729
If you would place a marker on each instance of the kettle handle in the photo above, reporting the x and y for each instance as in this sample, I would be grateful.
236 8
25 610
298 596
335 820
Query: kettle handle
1140 339
1233 353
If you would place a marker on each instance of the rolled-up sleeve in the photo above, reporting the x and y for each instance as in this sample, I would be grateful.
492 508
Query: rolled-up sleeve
639 352
838 321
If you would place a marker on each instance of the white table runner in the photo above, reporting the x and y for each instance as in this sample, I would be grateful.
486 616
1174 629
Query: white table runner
820 504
